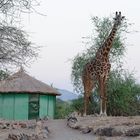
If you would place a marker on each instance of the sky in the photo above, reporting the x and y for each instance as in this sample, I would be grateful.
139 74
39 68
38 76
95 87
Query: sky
60 33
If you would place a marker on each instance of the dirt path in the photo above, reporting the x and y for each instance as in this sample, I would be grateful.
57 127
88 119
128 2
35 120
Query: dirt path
60 131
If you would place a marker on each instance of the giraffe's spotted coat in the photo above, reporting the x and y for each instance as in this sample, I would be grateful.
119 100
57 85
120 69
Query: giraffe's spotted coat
96 70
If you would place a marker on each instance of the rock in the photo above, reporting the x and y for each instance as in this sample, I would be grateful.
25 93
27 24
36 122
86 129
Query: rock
22 125
117 132
108 131
133 132
23 137
31 126
38 128
4 126
46 129
72 122
13 137
86 130
46 118
14 126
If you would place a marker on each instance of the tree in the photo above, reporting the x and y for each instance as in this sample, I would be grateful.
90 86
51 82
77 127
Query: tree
63 109
3 74
122 90
12 9
15 49
123 93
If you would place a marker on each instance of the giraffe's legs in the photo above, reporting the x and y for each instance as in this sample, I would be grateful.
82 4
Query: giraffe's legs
102 97
86 104
88 87
104 90
104 100
101 92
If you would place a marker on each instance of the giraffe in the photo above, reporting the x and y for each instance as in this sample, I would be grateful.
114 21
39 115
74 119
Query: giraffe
97 69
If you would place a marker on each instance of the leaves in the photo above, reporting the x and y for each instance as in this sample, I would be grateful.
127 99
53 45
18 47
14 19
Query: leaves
3 74
122 94
63 109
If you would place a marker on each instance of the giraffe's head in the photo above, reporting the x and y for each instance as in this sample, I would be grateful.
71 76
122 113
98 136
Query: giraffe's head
118 18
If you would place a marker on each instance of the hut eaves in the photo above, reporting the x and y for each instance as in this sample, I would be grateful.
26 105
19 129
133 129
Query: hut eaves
21 82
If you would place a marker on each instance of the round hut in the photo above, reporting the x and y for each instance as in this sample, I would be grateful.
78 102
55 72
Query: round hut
23 97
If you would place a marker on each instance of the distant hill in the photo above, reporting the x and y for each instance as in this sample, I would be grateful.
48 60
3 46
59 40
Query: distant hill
66 95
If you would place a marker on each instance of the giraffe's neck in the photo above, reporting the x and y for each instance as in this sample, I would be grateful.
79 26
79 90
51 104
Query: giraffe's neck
107 45
110 38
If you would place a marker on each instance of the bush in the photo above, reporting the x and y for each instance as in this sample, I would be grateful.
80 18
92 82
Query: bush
63 109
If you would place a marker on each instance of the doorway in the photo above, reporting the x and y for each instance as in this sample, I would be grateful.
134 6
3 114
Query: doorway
33 106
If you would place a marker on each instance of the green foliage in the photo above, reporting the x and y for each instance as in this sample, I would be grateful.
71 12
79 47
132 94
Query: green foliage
78 104
3 74
63 109
123 94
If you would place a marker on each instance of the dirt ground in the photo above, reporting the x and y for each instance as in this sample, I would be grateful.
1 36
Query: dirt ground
109 128
60 131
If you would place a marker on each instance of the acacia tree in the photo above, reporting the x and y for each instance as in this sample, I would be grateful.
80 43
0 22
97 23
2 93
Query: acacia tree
15 7
15 48
122 90
3 74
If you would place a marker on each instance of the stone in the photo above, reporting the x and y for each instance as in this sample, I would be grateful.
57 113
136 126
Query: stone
72 122
133 132
86 130
107 131
38 128
103 131
22 125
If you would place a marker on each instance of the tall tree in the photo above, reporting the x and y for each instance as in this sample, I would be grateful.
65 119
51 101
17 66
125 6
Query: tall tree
15 48
13 8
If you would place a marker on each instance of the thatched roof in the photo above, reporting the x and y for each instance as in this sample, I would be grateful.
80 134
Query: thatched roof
21 82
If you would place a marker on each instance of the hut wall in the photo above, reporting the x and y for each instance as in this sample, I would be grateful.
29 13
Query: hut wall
21 107
47 106
8 106
1 105
14 106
